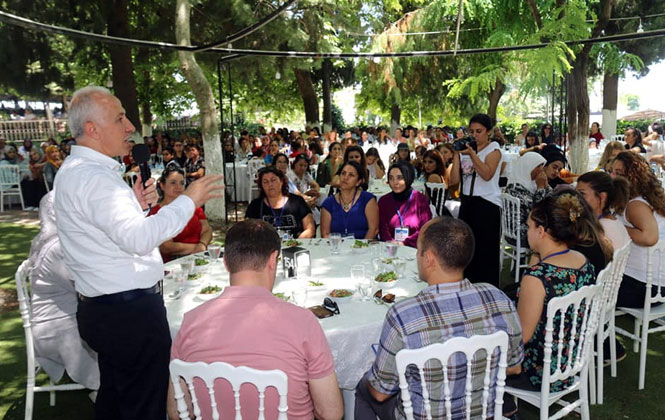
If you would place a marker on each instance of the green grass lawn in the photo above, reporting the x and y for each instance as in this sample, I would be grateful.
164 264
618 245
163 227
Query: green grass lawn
622 399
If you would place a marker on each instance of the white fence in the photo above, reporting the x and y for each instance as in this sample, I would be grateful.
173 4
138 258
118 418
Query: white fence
36 130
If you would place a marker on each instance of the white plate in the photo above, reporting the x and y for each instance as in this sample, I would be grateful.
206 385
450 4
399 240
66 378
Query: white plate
205 297
384 284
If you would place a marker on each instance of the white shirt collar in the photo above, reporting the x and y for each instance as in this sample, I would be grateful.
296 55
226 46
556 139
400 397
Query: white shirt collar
91 154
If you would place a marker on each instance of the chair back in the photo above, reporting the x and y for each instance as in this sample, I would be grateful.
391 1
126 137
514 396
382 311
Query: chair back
48 189
236 376
10 175
612 280
494 374
25 308
655 273
437 196
575 317
511 218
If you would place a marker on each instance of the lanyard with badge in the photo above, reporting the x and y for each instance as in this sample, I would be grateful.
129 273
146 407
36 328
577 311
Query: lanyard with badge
402 232
277 221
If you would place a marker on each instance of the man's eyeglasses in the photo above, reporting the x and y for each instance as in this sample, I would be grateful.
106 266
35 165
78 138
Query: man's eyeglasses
331 305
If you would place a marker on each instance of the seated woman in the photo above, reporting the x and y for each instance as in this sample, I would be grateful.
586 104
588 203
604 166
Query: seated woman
555 226
433 167
281 162
58 345
403 153
273 150
299 175
606 198
403 211
330 165
352 211
354 154
447 153
612 149
32 186
555 161
375 166
528 183
644 219
531 143
287 212
53 162
196 236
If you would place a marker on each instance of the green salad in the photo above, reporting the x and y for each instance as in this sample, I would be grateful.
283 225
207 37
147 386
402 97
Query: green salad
387 260
201 261
210 290
388 277
292 242
360 244
315 283
194 276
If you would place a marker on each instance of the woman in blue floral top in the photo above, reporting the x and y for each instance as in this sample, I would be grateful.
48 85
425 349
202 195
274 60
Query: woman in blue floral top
555 225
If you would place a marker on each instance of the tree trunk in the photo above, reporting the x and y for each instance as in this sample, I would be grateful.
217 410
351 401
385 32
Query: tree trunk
327 100
610 99
494 97
206 103
577 109
146 113
309 98
395 115
121 61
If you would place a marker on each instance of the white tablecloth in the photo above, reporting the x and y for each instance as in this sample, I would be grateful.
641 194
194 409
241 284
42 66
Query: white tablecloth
349 334
240 179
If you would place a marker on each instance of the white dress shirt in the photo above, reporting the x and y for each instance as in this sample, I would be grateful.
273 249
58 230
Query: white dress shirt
109 245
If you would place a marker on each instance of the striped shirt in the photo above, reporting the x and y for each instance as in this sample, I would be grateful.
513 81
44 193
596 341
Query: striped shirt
437 313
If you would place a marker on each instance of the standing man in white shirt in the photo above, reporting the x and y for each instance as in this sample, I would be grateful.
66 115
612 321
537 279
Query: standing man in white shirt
110 248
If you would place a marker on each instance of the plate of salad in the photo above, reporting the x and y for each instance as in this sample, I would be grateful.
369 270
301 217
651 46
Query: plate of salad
360 244
315 285
387 279
209 292
281 295
340 295
292 242
201 265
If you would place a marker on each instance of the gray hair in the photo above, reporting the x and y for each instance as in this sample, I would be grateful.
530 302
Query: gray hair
84 107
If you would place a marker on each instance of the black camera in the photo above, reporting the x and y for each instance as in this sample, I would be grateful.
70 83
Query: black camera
461 144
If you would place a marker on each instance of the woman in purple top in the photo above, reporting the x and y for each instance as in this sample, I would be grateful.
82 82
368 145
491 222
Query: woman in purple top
351 211
403 211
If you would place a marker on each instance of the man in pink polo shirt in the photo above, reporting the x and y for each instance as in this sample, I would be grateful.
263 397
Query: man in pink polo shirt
249 326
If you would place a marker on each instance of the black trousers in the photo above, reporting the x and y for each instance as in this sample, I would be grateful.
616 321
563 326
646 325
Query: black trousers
631 293
133 343
484 218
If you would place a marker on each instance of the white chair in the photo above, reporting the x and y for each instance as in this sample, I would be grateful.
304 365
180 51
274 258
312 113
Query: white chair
253 167
610 280
511 229
33 367
494 373
437 196
585 306
645 315
10 184
236 376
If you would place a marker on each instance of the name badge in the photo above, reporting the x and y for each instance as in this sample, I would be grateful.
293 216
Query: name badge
401 234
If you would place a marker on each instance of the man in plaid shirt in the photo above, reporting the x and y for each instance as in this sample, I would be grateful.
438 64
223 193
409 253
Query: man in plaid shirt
450 306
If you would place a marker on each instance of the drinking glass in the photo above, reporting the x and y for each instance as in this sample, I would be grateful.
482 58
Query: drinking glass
335 240
299 296
375 249
179 279
213 251
400 265
391 250
187 265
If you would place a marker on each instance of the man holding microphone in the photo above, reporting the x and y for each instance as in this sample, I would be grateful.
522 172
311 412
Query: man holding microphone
111 250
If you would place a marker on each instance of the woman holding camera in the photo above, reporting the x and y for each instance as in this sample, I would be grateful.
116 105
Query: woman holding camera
476 168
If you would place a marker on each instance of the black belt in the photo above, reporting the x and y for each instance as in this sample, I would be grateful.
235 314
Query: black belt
121 297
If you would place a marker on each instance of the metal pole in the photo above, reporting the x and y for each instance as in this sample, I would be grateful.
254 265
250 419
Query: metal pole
235 173
220 91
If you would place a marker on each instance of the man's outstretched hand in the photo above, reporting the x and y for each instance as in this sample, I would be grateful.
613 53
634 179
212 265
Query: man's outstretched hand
205 188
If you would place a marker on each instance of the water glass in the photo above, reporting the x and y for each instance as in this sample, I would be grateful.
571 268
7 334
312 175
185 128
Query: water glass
400 265
187 265
391 249
335 239
179 278
214 251
364 289
375 249
299 296
358 273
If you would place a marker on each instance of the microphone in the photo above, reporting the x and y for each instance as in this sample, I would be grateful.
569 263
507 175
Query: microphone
141 155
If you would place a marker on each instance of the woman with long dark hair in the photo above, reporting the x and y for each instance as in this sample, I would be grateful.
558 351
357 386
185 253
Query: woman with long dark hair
477 172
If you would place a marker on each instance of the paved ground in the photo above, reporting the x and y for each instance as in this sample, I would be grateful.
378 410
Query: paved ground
20 217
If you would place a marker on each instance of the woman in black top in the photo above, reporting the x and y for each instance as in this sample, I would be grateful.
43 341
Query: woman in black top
288 213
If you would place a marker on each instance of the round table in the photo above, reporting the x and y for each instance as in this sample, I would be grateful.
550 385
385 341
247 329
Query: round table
351 333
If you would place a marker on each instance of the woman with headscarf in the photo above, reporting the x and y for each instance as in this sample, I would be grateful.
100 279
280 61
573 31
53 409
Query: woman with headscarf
528 183
53 162
58 345
404 211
